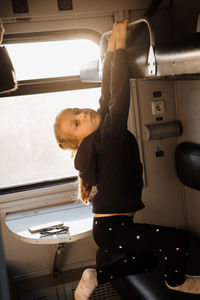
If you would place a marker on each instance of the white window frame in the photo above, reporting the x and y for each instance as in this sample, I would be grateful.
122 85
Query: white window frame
36 197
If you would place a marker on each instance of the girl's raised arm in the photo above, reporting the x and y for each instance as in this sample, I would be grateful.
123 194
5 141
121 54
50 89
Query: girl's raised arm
105 85
115 122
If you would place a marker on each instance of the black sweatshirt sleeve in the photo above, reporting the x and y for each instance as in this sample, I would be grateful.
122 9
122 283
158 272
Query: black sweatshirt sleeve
115 122
105 85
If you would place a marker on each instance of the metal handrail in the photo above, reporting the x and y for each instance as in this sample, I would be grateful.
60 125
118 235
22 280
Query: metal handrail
2 30
151 56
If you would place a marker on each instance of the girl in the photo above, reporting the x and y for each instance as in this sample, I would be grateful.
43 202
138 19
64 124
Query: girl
108 156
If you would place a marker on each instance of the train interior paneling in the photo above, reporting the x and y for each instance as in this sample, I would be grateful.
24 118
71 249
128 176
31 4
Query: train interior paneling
163 45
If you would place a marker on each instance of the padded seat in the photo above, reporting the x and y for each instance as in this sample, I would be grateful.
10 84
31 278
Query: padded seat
187 161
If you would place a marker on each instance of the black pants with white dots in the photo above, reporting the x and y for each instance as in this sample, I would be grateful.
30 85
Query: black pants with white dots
140 244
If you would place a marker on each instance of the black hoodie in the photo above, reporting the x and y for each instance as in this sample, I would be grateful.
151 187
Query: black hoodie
109 157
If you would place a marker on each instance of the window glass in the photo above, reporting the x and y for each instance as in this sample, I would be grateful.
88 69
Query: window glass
51 59
29 152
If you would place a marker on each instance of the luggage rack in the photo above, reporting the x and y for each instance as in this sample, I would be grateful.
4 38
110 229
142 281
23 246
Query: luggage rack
174 60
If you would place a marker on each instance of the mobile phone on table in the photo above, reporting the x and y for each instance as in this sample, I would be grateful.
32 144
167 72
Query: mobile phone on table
46 226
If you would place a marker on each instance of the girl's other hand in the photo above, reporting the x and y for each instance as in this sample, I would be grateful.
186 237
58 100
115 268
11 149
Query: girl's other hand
121 34
113 38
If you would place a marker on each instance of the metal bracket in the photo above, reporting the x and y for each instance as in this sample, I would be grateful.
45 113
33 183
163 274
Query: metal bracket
120 15
58 259
151 62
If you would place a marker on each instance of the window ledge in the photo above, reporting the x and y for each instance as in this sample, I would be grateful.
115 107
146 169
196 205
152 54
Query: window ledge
40 197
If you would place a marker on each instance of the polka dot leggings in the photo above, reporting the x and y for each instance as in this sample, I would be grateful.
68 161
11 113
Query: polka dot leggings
140 244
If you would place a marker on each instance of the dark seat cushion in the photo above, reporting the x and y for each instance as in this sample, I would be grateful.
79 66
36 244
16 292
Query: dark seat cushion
187 161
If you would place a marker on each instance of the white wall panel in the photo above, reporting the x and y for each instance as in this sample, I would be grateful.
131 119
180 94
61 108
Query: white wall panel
162 194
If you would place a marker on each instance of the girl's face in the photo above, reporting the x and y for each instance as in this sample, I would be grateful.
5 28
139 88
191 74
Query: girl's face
80 122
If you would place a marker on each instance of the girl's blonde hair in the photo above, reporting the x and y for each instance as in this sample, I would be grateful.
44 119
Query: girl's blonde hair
68 142
65 141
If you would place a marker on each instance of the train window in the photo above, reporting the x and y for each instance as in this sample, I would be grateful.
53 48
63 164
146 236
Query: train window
29 154
51 59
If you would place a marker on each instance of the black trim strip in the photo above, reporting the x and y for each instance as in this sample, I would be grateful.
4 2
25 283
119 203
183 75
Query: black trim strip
50 85
39 185
48 36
